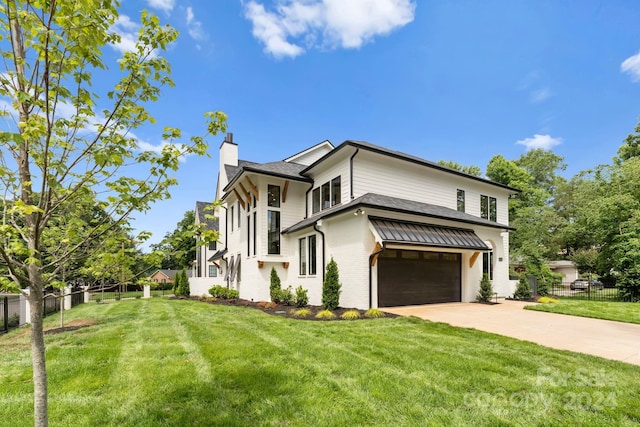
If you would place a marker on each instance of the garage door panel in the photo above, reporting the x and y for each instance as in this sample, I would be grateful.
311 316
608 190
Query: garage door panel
412 277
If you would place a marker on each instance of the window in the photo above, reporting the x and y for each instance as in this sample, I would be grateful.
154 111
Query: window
239 213
212 246
315 197
488 208
326 195
312 255
461 200
335 191
493 215
273 232
302 244
248 235
307 257
273 196
231 218
255 226
487 264
213 271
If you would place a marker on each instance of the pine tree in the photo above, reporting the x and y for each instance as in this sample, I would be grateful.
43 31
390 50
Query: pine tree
275 286
523 290
486 289
331 287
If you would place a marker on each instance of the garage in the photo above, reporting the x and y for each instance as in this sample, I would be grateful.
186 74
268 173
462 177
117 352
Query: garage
413 277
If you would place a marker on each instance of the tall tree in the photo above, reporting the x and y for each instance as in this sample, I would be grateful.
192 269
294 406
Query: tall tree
471 170
179 246
68 141
631 146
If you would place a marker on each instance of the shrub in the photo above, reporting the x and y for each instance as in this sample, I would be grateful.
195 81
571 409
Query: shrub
274 286
98 300
301 312
223 292
117 297
267 304
301 298
331 287
286 296
325 315
181 282
547 300
233 294
351 315
523 290
486 289
374 313
629 286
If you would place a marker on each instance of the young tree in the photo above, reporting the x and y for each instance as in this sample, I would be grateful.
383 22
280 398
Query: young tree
486 289
523 290
275 287
67 143
331 287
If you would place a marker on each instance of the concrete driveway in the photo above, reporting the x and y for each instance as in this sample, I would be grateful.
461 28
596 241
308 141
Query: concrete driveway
604 338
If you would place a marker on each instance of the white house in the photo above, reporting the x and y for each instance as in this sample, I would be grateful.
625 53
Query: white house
403 230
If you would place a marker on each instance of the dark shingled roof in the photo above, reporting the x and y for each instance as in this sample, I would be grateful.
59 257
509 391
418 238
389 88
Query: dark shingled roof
281 169
171 274
393 231
395 204
201 212
407 157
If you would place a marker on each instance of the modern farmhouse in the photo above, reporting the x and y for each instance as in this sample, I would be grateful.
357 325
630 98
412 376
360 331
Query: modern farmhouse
403 230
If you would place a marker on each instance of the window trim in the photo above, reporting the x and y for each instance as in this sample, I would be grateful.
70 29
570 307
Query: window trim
302 256
274 203
460 201
312 256
273 233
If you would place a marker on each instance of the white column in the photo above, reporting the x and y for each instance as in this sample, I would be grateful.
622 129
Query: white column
67 297
147 291
25 308
86 295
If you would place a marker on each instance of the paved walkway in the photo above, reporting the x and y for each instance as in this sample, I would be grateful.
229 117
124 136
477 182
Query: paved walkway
604 338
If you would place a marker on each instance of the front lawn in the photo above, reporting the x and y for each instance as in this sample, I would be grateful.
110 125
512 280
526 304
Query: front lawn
628 312
179 362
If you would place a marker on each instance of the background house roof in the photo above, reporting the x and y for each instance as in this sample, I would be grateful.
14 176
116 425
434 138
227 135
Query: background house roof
394 204
202 213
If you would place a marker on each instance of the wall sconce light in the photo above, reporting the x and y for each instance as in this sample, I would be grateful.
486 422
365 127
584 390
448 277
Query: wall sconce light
358 212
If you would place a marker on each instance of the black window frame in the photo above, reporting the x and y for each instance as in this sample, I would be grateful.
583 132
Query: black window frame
272 200
302 256
336 191
460 200
273 232
215 269
484 206
493 209
312 254
325 195
315 200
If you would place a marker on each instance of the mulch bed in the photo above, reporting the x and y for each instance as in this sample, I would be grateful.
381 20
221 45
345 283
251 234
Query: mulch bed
281 310
74 325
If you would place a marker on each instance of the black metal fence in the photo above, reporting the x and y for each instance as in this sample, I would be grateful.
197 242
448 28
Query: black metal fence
592 292
10 312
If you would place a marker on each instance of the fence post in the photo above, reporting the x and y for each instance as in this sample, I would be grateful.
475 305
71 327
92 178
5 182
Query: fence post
86 294
5 315
146 291
67 298
24 305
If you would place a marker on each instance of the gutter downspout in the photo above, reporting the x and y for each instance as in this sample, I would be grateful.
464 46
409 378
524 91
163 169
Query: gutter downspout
384 246
351 172
315 227
226 238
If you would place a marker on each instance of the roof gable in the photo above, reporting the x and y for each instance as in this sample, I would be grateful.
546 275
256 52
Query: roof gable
311 154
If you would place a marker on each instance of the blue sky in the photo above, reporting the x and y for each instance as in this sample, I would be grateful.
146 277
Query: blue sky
443 80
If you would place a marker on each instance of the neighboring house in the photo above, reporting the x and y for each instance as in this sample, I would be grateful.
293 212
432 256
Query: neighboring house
402 230
567 268
166 276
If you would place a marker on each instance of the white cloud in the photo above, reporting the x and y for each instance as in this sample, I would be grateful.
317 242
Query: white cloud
195 27
546 142
128 32
164 5
325 23
541 95
631 66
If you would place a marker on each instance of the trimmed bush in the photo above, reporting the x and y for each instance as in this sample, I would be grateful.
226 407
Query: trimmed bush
374 313
331 287
523 290
223 292
301 313
325 314
286 296
350 315
275 286
301 298
486 289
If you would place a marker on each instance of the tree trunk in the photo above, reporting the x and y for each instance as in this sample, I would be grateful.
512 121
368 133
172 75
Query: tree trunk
40 399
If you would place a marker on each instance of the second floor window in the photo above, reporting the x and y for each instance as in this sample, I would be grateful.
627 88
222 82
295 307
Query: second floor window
273 196
327 195
460 205
488 208
273 232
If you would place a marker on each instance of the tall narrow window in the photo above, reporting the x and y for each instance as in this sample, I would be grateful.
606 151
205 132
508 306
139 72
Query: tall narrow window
315 200
239 214
487 264
326 195
255 227
312 254
273 232
493 214
461 200
302 245
248 235
273 196
484 207
336 194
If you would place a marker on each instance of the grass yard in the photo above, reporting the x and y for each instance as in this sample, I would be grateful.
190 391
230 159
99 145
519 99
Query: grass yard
628 312
178 362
